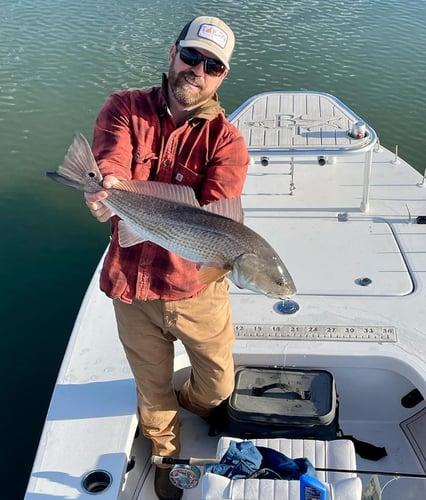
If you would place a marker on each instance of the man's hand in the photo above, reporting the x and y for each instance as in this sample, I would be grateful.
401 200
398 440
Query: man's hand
94 200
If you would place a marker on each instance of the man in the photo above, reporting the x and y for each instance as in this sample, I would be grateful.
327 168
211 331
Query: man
178 134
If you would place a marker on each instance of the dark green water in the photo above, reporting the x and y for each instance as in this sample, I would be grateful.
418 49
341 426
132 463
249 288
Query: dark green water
60 60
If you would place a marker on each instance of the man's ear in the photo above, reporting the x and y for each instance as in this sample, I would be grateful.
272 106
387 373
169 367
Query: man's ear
224 75
172 53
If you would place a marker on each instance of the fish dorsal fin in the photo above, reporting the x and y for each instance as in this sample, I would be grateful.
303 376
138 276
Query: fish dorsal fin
207 274
172 192
227 207
127 236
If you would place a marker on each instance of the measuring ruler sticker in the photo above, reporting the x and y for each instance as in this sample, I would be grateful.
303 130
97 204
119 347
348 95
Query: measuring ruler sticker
316 332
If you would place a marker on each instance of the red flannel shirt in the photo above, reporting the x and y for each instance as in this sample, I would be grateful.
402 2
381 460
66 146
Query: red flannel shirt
135 138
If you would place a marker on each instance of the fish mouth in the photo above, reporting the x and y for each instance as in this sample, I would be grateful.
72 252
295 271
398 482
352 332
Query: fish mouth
287 296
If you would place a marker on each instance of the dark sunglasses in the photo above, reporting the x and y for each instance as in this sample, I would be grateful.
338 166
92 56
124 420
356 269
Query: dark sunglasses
192 57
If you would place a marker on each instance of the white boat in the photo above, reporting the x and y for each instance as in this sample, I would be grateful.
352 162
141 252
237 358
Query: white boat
346 215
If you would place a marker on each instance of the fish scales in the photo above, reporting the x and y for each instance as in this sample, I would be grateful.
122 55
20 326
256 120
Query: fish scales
193 233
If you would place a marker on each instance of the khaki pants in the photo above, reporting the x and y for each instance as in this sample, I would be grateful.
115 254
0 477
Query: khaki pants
147 330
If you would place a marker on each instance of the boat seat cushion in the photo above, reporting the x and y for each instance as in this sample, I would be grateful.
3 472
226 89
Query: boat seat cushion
325 454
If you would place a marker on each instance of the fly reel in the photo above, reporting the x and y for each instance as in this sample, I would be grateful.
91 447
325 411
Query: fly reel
185 477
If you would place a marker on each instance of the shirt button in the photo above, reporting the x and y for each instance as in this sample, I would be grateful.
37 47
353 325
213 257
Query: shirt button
166 163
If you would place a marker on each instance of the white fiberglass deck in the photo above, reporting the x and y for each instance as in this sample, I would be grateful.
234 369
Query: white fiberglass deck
346 229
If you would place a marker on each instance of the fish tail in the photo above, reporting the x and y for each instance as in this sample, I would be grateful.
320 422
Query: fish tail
79 168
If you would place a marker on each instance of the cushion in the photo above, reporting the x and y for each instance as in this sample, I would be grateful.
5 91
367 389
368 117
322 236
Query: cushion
326 454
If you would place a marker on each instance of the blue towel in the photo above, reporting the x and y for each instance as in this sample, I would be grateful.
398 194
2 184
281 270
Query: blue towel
243 460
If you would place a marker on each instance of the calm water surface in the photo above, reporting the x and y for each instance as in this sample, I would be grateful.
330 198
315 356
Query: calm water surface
59 60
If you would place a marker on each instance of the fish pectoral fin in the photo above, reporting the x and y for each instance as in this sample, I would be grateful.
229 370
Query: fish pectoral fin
208 274
127 237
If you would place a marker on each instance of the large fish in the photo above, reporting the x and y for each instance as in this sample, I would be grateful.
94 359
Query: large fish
170 216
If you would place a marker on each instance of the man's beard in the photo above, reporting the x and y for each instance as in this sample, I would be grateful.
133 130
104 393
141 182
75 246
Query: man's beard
186 94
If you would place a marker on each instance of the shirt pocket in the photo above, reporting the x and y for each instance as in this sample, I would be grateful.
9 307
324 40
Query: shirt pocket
189 176
144 164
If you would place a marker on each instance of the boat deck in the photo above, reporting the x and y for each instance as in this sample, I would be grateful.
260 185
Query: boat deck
342 214
299 123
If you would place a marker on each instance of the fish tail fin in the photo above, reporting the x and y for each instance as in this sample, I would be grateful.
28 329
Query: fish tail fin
79 168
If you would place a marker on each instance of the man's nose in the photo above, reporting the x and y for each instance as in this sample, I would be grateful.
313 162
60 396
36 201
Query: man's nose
199 68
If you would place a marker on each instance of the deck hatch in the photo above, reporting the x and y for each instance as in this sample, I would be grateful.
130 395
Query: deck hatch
327 257
299 121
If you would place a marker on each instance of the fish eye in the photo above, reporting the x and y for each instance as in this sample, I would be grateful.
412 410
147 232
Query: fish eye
91 174
280 282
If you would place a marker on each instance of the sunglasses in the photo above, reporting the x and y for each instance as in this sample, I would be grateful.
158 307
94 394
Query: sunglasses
192 57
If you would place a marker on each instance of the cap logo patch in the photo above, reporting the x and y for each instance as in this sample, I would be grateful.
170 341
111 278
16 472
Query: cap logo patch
214 34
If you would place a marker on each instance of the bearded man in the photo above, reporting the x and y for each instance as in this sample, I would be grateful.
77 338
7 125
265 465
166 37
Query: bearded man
176 133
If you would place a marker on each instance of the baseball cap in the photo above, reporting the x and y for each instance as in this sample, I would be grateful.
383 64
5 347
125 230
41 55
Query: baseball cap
209 33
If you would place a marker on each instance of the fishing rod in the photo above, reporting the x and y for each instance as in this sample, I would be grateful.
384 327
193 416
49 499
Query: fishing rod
157 460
